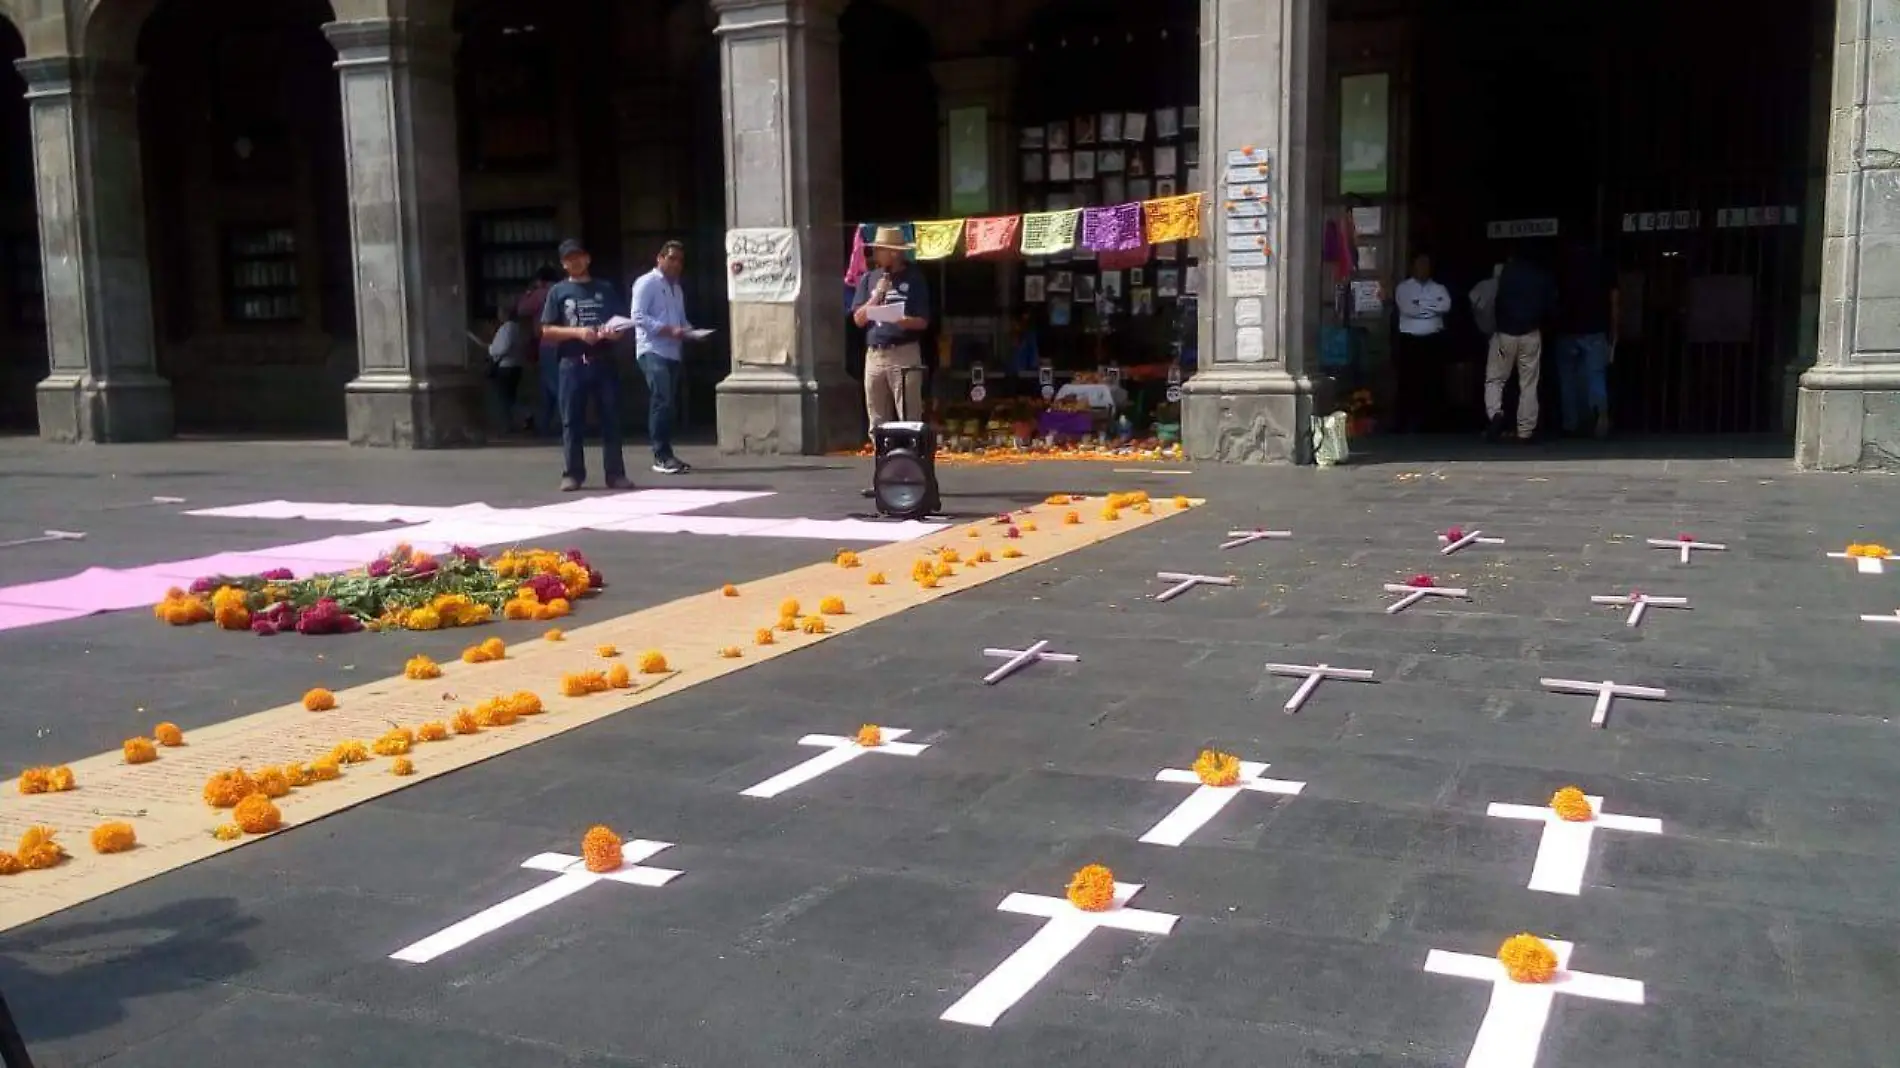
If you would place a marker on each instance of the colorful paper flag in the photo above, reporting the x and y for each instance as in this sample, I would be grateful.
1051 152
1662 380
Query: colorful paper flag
1173 218
1115 229
1046 233
937 239
983 237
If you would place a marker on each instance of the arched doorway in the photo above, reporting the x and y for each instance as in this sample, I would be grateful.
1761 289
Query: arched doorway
247 216
22 304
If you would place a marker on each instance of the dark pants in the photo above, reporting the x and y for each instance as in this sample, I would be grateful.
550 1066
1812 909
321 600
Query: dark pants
549 368
662 384
598 380
506 382
1420 366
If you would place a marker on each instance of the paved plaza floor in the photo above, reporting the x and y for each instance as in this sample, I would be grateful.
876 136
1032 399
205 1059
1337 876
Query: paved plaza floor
838 922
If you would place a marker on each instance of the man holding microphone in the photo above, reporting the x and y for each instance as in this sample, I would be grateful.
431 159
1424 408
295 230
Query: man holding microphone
893 352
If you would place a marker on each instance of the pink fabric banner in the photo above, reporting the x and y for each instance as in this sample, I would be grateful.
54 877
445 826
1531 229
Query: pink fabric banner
983 237
1115 229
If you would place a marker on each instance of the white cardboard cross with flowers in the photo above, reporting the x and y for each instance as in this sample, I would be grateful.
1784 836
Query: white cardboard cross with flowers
1207 801
1513 1026
1564 849
839 751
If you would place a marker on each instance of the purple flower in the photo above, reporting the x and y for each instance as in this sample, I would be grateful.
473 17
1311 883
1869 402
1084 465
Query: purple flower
574 557
379 567
595 580
204 585
467 553
278 574
262 627
546 587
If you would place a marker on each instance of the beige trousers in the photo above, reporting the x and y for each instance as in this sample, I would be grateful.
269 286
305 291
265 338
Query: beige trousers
882 381
1525 353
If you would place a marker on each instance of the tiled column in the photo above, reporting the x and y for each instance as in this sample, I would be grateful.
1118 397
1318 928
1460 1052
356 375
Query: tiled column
103 384
788 391
418 383
1263 67
1848 414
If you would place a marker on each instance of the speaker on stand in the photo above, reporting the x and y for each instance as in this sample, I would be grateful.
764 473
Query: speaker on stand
904 478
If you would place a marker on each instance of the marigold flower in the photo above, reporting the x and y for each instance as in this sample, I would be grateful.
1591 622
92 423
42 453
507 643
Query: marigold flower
944 569
600 849
788 607
1071 519
877 579
949 556
730 652
1012 553
763 636
10 864
475 654
1181 502
225 789
870 735
607 651
847 558
433 731
350 752
497 712
140 751
1216 768
1870 551
928 582
402 766
1145 508
38 851
1092 889
257 814
466 723
63 779
272 782
653 662
232 617
813 625
113 838
1111 514
1057 499
924 566
1030 527
1571 806
786 623
495 648
298 775
831 606
554 634
392 744
36 780
619 677
326 770
729 590
421 667
974 533
168 735
319 700
422 619
518 610
1527 959
554 609
227 832
582 683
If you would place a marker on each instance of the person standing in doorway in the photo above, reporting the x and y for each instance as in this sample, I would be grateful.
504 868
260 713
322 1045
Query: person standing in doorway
1484 305
1526 297
660 332
575 317
540 352
1589 307
893 352
1422 303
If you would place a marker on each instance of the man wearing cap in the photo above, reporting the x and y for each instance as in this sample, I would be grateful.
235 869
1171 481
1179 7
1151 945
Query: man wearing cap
575 319
893 351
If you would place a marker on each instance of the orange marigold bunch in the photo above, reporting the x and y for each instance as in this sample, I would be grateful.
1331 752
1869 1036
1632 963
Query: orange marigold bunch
729 590
1870 551
847 558
974 533
113 838
466 722
433 731
257 814
181 609
1092 889
1571 806
1216 768
870 735
1111 514
787 623
607 652
1027 527
877 579
582 683
496 712
982 557
619 677
487 652
319 700
763 636
10 864
943 569
38 851
421 667
1071 519
225 789
326 770
831 606
652 662
227 832
1181 502
1527 959
350 752
788 607
168 735
554 634
272 782
730 652
948 556
525 703
1012 553
393 743
402 766
298 775
600 849
1057 499
47 780
924 566
140 751
928 582
813 625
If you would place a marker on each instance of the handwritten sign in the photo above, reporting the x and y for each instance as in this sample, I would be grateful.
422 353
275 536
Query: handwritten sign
1173 218
1046 233
762 265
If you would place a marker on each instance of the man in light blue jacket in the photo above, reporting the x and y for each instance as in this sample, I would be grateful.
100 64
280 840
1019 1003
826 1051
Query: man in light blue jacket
660 331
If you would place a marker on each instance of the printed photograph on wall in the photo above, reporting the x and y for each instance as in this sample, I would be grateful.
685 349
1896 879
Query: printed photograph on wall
1085 130
1033 289
1167 123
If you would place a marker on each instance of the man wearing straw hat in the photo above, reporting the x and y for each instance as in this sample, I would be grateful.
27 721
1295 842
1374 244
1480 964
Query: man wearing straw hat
893 350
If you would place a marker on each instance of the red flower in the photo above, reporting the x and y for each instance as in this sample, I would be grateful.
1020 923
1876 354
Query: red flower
1685 537
468 553
1002 520
1454 533
379 567
1012 532
546 587
278 574
204 585
595 580
1420 582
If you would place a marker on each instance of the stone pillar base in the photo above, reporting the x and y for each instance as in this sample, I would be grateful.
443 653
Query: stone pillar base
399 412
777 414
1849 418
1247 416
130 407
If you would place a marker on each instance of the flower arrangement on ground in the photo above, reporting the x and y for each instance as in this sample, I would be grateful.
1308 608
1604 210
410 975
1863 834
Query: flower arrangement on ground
1527 959
113 838
1216 768
1092 889
1868 551
168 735
47 780
1571 806
600 850
870 735
400 590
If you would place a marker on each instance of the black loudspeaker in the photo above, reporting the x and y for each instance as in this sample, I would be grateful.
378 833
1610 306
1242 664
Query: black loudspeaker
904 482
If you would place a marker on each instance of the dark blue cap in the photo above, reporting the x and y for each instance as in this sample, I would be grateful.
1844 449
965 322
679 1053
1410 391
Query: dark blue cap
571 246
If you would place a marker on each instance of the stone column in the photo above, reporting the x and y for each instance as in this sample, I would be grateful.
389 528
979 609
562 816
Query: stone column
103 384
418 383
1263 69
1848 414
788 391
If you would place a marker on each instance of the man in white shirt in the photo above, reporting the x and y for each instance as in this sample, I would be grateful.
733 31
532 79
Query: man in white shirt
1484 304
660 328
1420 360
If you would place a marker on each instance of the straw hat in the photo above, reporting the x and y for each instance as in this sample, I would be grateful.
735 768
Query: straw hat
891 237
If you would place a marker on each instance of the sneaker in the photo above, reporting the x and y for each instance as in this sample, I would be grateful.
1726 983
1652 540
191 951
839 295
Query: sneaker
620 482
569 485
1494 429
670 466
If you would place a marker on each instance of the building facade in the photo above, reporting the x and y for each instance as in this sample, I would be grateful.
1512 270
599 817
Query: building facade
291 216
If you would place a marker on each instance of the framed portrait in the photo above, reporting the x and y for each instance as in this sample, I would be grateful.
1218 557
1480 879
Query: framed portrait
1137 163
1191 118
1140 189
1061 281
1035 289
1111 284
1114 189
1164 187
1033 136
1168 251
1110 161
1059 136
1059 167
1032 167
1059 311
1168 282
1141 300
1166 163
1135 126
1085 166
1167 123
1085 130
1111 127
1085 289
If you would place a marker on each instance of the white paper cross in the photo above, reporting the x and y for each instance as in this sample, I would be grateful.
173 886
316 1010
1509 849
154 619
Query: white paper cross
1067 928
51 535
1475 537
1638 603
1895 618
1606 692
1866 565
1021 658
1206 801
1513 1026
1314 675
1248 537
839 752
1564 850
1685 547
571 877
1415 594
1185 582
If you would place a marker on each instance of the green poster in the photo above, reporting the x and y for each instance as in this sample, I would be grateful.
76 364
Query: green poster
969 161
1365 134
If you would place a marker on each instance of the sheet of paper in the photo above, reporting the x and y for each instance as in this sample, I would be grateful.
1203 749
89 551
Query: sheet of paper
884 313
616 324
699 335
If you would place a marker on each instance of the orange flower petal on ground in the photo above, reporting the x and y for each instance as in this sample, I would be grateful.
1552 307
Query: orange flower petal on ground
1216 768
813 625
402 766
1111 514
652 662
607 651
63 779
353 751
113 838
325 770
763 636
168 735
36 780
1571 806
227 832
319 700
1527 959
831 606
1181 502
475 654
847 558
525 703
554 634
272 782
495 648
139 751
1092 889
421 667
582 683
788 607
466 723
877 579
870 735
226 788
298 775
928 582
600 850
982 557
38 850
619 677
257 814
949 556
392 744
729 590
1012 553
433 731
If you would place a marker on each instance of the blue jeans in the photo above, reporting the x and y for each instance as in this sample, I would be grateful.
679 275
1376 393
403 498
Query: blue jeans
662 382
549 422
1582 364
580 381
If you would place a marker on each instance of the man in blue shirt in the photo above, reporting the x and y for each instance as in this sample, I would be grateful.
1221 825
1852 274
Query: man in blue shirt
575 319
660 328
893 350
